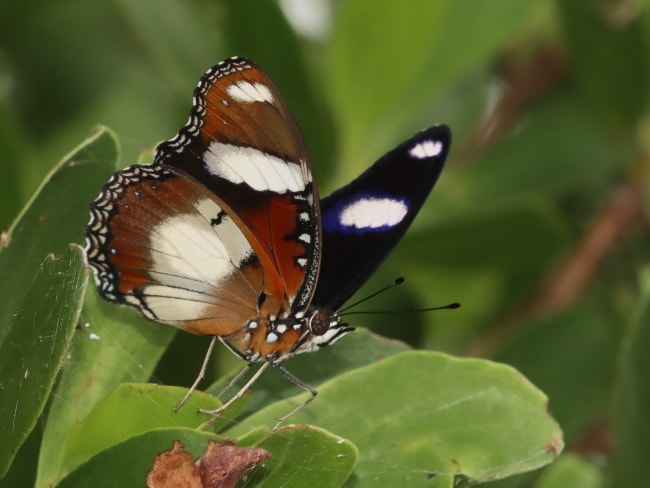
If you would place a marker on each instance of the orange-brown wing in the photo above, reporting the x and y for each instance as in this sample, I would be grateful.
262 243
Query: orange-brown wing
243 144
160 242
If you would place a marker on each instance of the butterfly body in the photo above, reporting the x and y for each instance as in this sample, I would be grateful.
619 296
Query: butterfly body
225 234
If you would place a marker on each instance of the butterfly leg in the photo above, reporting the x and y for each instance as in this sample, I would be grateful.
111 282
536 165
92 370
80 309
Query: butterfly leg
235 379
298 382
198 379
216 412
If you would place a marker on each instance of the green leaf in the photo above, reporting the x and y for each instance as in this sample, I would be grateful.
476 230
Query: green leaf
354 350
130 410
107 352
418 415
127 463
114 345
292 461
54 217
34 348
306 456
632 396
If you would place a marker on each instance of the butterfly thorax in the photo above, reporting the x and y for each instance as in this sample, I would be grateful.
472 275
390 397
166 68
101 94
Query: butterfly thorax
275 339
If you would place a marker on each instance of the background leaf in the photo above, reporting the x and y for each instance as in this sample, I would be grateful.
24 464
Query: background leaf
426 418
572 471
292 462
357 349
34 348
135 457
129 410
113 345
42 300
632 397
538 224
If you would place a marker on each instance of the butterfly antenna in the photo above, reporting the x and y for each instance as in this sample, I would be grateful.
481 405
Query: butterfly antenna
449 306
395 283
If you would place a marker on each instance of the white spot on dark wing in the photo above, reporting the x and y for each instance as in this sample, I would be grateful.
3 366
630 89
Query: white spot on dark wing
306 238
426 149
247 92
302 262
257 169
372 213
271 337
281 329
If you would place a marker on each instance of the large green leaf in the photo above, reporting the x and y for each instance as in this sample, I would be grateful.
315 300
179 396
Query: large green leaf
53 218
34 347
113 345
305 456
292 464
130 410
428 419
28 312
127 463
357 349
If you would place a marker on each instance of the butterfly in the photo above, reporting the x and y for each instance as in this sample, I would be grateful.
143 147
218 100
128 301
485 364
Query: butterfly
225 234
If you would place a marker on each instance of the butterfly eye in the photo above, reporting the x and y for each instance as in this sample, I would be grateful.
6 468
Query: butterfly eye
319 323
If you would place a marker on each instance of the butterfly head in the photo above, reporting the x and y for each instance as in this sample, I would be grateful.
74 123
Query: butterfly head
276 339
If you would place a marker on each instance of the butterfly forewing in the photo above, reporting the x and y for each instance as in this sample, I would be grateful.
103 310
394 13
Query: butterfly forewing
243 143
364 220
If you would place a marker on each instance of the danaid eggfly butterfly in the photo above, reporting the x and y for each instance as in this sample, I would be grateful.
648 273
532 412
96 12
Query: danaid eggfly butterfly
225 235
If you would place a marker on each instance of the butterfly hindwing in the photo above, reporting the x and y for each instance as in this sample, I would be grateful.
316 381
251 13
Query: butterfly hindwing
363 221
160 242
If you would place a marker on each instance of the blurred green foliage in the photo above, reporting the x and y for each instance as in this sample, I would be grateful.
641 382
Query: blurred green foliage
538 224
